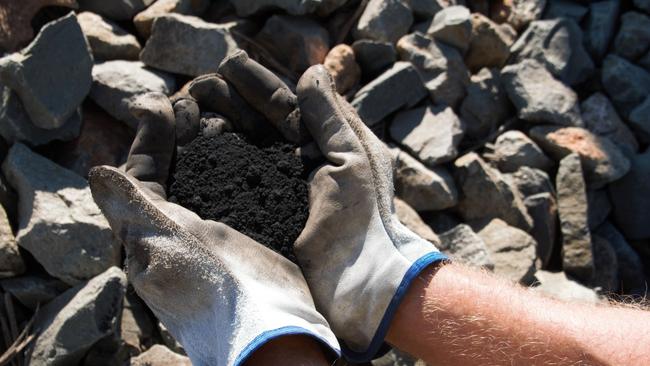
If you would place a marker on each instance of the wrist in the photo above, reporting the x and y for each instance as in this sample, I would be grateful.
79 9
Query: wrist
299 350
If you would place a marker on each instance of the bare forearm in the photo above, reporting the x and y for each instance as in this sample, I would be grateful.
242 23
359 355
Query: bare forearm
460 316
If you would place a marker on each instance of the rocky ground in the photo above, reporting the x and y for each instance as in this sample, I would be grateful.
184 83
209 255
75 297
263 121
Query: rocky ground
519 129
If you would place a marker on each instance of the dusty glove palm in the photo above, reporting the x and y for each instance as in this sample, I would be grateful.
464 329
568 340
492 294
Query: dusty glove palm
357 258
221 294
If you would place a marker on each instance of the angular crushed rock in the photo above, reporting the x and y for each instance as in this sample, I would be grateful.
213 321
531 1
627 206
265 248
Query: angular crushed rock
600 26
627 84
601 118
384 20
115 9
486 104
631 198
542 207
410 218
452 25
513 150
107 39
464 245
633 38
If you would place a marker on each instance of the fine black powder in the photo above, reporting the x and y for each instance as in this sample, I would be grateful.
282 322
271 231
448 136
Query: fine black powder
258 191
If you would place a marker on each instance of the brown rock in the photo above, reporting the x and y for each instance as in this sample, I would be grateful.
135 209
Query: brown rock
489 45
107 39
144 19
410 218
160 356
341 64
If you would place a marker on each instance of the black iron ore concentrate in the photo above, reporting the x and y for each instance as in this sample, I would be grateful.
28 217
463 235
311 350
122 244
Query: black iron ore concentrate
258 191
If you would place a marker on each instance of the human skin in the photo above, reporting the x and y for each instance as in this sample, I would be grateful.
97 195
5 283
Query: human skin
455 315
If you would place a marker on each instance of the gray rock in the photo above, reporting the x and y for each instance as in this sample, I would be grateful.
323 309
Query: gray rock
464 245
246 8
56 200
643 5
425 189
108 40
565 9
522 12
577 257
602 160
441 221
558 286
440 66
33 290
600 26
538 96
17 127
11 263
627 84
187 45
512 250
431 134
144 19
598 206
542 208
639 120
489 45
410 218
426 8
485 193
633 38
605 265
452 25
296 42
513 150
384 20
530 181
373 56
486 104
398 87
115 9
117 83
169 340
645 61
556 44
159 355
601 118
52 75
630 197
81 316
630 267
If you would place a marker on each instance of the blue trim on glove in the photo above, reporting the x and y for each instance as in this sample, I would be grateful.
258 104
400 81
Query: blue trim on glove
416 268
261 340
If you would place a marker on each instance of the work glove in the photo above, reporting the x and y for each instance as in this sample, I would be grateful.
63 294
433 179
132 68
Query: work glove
356 256
219 293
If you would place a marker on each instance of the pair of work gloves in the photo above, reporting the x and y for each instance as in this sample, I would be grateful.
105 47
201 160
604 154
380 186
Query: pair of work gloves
221 294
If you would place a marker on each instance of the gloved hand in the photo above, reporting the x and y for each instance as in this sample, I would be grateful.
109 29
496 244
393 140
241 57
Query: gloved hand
358 259
220 294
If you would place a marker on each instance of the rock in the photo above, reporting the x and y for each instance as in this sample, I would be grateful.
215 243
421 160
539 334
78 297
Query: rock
639 120
425 189
464 245
441 221
410 218
117 83
577 258
452 25
384 20
425 8
556 44
398 87
565 9
144 19
17 127
441 67
108 40
538 97
630 266
15 21
645 61
432 134
187 45
486 104
81 316
522 12
159 355
530 181
32 290
601 118
373 56
600 26
246 8
558 286
513 149
627 84
489 45
511 249
542 208
643 5
169 341
605 265
341 64
56 200
11 263
633 38
598 206
603 161
52 75
115 9
630 197
136 326
485 194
